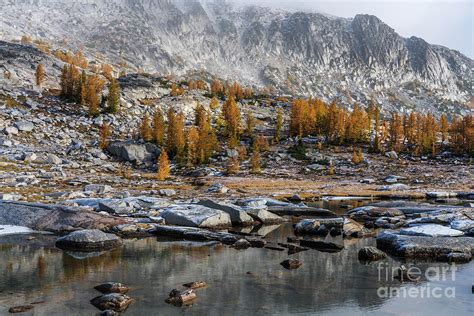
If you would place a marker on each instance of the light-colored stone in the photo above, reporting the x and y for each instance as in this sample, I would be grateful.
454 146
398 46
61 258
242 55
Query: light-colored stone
238 215
24 126
98 188
193 215
431 230
265 216
53 159
10 130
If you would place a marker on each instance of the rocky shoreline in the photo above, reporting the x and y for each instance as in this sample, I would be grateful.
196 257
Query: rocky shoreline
403 229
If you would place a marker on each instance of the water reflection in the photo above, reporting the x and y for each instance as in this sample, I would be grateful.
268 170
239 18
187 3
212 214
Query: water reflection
327 283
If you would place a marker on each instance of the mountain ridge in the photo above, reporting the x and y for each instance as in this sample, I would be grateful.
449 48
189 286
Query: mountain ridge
299 53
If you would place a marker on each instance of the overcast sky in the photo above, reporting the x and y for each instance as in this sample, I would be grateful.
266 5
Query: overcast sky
445 22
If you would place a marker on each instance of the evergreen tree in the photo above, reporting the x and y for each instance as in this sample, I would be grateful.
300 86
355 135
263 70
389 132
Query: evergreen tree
113 99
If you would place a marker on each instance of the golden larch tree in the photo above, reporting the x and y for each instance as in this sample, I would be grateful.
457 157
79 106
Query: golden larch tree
163 166
39 75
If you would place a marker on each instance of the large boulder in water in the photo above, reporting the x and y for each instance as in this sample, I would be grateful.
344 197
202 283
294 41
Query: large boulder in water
193 215
88 240
423 247
54 218
237 214
133 152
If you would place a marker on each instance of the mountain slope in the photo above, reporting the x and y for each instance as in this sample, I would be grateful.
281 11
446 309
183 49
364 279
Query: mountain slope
298 53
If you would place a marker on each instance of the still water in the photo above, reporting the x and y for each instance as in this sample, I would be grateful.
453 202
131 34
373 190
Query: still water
240 282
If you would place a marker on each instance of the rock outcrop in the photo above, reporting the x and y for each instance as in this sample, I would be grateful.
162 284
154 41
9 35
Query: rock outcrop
423 247
53 218
192 215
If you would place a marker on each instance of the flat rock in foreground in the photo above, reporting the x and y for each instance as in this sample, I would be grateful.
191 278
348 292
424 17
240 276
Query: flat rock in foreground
423 247
88 240
53 218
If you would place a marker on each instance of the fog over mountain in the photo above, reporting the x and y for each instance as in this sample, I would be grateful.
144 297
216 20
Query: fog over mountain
300 53
448 23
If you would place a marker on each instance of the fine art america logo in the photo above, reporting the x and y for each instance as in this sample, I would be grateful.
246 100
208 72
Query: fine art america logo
415 275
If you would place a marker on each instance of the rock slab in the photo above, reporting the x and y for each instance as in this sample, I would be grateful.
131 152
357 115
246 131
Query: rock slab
88 240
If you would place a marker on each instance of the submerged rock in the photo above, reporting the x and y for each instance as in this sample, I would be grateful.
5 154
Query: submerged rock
291 264
296 210
88 240
20 309
112 287
114 301
422 247
325 246
371 254
195 285
192 215
238 215
431 230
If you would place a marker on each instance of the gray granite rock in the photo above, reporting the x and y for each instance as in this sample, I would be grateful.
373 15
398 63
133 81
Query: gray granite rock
193 215
88 240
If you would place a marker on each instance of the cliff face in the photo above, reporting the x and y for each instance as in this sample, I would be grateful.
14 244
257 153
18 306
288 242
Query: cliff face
300 53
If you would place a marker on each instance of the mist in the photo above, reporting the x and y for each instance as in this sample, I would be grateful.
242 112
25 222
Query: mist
447 23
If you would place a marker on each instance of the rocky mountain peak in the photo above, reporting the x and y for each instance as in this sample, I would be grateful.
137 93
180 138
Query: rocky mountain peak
301 53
